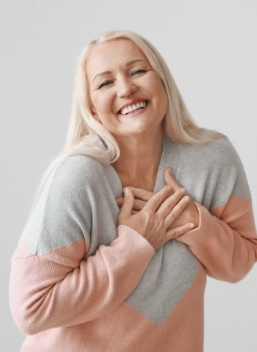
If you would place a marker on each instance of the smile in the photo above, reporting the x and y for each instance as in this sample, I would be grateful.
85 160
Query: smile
134 107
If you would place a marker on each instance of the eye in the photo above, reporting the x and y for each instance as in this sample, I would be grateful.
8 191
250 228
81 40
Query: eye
136 72
105 83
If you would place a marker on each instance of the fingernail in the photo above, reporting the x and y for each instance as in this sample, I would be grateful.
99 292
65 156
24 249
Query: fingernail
170 171
126 192
191 226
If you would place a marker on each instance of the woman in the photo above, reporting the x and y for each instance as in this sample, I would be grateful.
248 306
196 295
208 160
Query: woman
90 276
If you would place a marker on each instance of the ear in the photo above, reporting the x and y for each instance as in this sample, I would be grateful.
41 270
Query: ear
96 117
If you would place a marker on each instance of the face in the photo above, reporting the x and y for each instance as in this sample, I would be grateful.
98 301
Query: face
126 95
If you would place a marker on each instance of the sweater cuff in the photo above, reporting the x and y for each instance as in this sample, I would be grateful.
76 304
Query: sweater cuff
132 248
197 238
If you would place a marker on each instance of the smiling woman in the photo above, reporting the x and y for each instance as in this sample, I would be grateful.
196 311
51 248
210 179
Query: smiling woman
128 80
115 254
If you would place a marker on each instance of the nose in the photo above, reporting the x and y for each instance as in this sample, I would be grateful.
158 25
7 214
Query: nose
125 87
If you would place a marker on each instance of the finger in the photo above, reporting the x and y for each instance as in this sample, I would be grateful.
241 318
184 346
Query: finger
170 180
176 211
127 206
168 205
141 193
157 199
137 205
119 201
179 231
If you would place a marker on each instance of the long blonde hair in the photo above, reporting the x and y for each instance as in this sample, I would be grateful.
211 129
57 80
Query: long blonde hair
84 128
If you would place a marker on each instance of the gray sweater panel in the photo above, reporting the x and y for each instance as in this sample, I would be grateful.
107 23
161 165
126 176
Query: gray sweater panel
79 201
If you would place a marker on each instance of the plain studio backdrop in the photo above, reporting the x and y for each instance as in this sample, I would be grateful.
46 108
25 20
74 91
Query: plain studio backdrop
210 47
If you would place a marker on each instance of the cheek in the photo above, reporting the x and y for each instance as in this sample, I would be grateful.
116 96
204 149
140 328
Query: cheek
102 103
97 107
159 90
102 112
162 97
165 101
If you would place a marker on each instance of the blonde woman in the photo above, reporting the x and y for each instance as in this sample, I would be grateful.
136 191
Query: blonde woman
139 208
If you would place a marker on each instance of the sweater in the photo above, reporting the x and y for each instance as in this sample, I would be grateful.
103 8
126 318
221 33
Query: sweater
81 283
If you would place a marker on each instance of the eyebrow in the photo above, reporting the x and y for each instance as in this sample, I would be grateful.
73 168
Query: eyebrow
127 64
101 73
133 61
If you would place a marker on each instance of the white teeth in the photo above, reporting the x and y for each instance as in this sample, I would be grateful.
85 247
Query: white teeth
133 107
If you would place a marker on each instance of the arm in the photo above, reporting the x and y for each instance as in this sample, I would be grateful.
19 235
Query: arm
56 280
52 282
225 241
59 288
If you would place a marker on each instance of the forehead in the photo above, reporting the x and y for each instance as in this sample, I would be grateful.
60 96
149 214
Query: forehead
110 55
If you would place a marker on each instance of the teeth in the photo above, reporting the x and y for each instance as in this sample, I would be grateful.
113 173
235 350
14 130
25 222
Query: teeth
133 107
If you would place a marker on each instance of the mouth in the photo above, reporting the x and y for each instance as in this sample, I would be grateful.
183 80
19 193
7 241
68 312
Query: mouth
133 107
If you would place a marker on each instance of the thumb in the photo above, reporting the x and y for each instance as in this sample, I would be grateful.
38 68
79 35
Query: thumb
170 180
127 206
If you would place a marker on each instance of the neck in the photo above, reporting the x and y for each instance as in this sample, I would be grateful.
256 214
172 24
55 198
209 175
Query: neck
139 158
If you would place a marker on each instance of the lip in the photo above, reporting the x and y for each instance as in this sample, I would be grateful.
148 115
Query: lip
136 112
131 102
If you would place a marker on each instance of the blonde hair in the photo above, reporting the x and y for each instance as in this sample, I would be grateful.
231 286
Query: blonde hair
84 128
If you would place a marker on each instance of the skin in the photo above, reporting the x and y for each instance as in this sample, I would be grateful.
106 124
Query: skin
140 157
141 197
118 73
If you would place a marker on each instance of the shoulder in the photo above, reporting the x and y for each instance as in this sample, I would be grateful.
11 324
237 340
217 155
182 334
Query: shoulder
218 153
222 160
62 213
73 179
74 173
220 148
214 170
77 167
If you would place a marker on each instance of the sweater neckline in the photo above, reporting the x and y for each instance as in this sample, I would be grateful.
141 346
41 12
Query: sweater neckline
169 158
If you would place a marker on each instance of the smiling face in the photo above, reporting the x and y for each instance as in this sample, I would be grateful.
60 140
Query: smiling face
126 95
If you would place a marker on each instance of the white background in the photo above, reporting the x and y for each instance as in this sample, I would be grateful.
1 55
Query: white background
211 49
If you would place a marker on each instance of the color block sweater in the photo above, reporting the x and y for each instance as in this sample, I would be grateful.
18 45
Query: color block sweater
81 283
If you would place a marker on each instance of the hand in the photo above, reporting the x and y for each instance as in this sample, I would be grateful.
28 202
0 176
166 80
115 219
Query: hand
189 215
155 218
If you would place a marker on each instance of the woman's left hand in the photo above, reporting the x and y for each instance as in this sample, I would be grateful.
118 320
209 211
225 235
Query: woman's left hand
190 213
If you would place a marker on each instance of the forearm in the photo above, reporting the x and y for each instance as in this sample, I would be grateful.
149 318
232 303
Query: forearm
226 247
47 291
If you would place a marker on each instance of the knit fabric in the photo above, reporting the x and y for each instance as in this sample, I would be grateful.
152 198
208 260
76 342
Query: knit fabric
81 283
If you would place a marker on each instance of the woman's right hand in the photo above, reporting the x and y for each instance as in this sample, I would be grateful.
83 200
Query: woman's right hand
153 221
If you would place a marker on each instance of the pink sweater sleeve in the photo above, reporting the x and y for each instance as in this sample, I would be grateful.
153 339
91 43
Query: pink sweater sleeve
60 288
225 241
